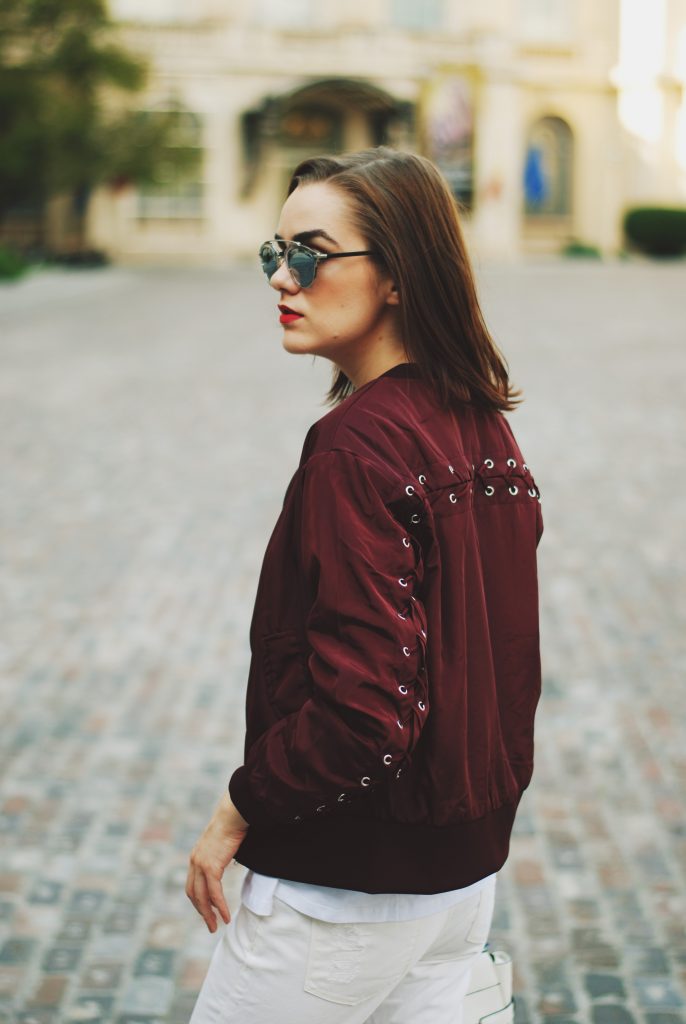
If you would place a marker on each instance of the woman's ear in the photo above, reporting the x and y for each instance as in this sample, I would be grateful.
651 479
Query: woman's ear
393 297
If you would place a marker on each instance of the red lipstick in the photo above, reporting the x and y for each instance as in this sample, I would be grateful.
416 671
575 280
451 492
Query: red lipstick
288 316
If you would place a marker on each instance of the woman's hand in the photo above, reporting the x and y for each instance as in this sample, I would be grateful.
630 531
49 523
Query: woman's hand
210 855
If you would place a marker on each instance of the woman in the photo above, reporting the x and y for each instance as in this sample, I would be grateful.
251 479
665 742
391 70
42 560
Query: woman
395 664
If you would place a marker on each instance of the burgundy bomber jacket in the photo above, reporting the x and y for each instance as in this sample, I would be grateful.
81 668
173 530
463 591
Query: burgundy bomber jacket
395 668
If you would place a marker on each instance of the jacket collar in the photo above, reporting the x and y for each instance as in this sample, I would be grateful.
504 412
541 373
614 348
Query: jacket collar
400 370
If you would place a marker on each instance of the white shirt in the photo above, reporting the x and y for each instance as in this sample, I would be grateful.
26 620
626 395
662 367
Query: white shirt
346 905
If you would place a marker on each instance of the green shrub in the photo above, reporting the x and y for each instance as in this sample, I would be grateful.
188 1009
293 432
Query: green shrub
575 248
12 264
656 230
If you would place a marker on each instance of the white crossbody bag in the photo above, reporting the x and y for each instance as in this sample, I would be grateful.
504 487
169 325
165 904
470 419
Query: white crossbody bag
489 999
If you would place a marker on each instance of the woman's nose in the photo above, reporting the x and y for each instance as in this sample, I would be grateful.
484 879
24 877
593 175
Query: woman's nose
281 279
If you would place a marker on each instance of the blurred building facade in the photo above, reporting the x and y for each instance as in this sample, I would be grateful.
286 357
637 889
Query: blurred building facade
524 104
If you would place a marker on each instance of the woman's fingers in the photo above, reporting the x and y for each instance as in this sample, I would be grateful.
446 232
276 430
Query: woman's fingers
216 895
196 890
204 890
202 902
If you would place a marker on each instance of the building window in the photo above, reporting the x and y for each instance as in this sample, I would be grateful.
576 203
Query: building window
290 14
417 14
312 127
178 194
155 11
548 169
449 133
543 22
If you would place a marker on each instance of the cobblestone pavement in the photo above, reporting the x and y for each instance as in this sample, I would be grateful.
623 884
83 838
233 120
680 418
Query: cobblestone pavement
150 422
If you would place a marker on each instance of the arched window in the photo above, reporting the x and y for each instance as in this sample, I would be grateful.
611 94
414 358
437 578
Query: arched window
548 169
178 194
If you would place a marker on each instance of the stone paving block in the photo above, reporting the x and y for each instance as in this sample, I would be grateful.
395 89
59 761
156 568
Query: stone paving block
11 979
74 930
86 902
45 891
647 960
128 1018
38 1015
158 962
656 992
121 920
147 994
612 1014
89 1008
101 976
600 985
61 958
17 951
49 992
6 910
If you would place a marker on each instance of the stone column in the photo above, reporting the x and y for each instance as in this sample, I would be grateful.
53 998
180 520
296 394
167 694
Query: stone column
496 219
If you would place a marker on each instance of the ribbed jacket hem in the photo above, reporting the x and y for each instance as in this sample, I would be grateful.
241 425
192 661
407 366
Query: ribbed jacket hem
379 856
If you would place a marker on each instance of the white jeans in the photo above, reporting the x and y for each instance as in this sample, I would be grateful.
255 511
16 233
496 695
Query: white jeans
288 968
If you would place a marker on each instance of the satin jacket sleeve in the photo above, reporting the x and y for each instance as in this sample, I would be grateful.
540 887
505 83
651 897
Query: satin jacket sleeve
365 641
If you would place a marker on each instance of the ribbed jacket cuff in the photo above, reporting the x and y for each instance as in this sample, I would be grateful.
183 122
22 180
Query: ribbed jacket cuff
247 805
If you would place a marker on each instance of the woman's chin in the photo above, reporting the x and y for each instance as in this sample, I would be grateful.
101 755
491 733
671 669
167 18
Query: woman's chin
292 343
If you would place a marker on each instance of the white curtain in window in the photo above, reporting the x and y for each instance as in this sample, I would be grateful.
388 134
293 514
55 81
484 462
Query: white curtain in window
286 13
417 14
546 21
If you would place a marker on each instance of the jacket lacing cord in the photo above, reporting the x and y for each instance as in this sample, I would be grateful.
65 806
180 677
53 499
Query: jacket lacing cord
502 475
367 633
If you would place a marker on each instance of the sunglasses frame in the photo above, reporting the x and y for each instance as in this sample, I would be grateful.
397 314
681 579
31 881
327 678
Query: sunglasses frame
318 257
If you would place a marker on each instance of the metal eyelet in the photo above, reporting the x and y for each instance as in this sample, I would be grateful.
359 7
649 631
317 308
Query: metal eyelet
531 492
421 705
524 465
412 597
322 807
423 632
401 616
451 468
511 462
452 497
297 818
400 724
406 651
489 463
402 688
406 542
341 798
421 478
398 773
490 490
365 780
513 489
415 518
402 581
387 759
409 489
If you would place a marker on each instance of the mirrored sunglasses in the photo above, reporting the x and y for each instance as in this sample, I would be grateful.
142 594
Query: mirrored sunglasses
301 261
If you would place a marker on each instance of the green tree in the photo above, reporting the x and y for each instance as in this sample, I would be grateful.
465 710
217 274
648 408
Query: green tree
64 123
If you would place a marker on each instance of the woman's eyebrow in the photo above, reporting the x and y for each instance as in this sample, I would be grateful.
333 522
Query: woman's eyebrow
305 236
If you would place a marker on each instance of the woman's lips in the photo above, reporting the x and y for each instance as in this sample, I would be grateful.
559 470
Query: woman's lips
288 316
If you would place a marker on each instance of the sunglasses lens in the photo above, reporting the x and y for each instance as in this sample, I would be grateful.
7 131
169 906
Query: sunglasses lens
268 260
302 267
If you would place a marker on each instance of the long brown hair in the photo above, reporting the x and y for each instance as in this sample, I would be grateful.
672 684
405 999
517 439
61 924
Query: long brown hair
403 207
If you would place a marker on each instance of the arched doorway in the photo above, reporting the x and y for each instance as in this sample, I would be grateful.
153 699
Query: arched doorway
548 183
325 116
